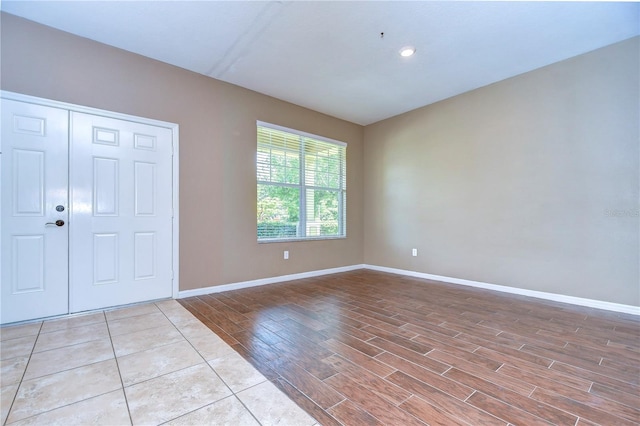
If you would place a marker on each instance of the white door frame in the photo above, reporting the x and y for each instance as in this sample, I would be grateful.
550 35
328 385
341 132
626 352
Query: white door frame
175 161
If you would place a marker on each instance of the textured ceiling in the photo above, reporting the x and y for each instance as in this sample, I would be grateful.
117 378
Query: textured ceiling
330 56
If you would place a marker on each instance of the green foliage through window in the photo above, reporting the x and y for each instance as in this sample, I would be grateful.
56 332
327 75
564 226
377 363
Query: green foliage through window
301 185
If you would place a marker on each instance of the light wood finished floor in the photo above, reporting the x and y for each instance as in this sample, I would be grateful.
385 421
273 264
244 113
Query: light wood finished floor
372 348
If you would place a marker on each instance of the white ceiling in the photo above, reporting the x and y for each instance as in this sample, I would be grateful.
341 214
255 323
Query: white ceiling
330 56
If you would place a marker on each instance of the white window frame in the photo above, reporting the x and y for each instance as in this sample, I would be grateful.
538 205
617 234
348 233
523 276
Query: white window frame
302 186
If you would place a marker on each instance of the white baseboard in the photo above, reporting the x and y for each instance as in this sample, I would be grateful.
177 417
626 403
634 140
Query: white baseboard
264 281
599 304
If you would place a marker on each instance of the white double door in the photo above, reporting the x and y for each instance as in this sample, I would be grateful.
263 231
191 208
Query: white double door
86 211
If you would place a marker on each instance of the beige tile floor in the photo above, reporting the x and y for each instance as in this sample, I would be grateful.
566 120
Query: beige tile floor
148 364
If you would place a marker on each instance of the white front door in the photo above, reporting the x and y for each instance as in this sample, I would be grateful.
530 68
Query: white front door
121 234
87 217
34 249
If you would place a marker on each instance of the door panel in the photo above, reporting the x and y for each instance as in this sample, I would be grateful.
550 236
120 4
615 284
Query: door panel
121 239
34 251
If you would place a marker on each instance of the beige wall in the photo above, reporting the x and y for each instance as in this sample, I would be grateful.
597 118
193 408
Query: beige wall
508 184
511 184
217 147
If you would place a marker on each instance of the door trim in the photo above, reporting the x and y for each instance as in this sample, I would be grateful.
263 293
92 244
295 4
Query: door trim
175 174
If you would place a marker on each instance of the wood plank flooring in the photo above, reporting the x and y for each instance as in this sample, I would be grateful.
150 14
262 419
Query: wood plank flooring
372 348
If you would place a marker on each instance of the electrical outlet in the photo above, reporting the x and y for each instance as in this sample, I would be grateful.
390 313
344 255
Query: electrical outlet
286 254
414 252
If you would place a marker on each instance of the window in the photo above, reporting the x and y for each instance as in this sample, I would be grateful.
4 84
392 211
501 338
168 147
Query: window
301 185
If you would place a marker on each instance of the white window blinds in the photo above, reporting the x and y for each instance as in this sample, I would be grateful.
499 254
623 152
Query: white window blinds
301 185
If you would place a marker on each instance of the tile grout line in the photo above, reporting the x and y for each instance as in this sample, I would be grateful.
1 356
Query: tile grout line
65 405
23 374
472 393
62 406
306 396
115 357
201 356
233 394
334 405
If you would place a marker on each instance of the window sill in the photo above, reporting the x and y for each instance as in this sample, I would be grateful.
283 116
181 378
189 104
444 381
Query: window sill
295 240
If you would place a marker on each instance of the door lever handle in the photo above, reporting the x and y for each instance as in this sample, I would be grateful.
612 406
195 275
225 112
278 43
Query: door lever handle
56 223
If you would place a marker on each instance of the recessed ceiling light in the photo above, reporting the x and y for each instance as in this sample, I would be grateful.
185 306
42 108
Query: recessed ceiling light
407 51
